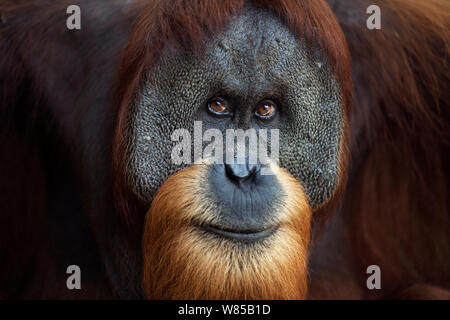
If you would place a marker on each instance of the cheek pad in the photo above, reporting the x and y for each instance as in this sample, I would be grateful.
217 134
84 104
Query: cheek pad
311 134
168 104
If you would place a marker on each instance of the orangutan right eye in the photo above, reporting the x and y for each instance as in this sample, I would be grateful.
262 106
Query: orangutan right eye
218 106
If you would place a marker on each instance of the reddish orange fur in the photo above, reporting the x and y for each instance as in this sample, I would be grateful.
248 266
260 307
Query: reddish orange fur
423 292
395 211
182 262
398 205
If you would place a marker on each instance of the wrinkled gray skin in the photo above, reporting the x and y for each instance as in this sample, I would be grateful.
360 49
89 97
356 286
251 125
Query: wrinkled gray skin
257 57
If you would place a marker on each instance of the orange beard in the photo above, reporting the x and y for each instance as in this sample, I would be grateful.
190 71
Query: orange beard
180 261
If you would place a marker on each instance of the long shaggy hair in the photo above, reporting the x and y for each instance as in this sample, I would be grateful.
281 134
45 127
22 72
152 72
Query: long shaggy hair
181 261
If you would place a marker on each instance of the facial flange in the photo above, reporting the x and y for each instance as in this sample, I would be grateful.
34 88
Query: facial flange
256 57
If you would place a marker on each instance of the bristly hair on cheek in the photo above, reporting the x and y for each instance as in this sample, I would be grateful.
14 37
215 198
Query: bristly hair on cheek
181 261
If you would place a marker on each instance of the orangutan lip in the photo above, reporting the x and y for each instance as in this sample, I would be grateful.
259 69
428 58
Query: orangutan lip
241 235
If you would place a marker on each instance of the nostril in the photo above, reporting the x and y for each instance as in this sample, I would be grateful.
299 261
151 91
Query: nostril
240 172
236 172
253 169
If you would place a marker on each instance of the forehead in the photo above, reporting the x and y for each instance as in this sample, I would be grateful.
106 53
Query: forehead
255 51
253 36
258 49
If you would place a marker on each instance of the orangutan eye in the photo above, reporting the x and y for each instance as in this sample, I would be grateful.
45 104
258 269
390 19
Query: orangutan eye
218 106
266 109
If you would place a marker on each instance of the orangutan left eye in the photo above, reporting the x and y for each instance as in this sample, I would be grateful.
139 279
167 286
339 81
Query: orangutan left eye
266 109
